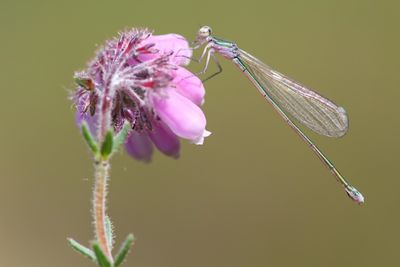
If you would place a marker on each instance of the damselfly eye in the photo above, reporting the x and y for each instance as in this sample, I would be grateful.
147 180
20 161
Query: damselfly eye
204 31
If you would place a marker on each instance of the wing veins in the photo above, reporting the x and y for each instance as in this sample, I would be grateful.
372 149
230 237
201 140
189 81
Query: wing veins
306 106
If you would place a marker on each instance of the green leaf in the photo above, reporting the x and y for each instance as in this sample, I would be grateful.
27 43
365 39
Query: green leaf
82 249
102 259
89 138
109 232
107 146
123 251
121 136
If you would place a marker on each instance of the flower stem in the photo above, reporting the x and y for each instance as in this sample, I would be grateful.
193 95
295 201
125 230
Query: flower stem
99 204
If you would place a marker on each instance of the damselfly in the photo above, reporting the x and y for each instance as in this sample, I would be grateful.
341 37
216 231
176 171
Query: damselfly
289 98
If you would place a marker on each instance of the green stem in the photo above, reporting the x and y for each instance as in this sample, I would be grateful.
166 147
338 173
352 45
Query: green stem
99 205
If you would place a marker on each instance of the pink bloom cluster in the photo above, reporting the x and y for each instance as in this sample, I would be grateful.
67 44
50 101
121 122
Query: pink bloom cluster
140 78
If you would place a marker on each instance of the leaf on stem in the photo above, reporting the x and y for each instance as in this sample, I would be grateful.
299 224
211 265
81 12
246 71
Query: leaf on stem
121 136
102 259
107 146
123 251
89 138
82 249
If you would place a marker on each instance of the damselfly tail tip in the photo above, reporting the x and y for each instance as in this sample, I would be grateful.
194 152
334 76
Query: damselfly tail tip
354 194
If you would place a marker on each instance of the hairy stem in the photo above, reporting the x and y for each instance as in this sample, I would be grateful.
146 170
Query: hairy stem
99 205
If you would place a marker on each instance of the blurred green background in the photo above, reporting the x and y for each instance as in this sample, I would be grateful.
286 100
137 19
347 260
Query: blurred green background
253 195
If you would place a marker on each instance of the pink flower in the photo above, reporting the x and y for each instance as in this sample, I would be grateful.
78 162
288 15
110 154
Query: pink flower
140 79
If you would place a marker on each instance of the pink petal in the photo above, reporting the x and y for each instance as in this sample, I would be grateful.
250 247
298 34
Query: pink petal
181 115
189 85
200 139
169 43
164 139
139 146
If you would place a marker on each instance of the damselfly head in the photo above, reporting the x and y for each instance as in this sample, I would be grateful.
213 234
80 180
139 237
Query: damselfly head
203 34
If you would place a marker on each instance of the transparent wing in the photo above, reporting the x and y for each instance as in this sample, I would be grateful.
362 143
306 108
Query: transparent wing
312 110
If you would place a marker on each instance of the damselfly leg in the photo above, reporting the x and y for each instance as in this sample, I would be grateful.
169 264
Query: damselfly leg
207 53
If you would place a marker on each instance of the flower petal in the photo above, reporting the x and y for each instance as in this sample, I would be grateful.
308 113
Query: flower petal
164 139
181 115
139 146
200 139
169 43
189 85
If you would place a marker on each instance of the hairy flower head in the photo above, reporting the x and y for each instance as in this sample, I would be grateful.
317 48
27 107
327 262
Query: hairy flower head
139 78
